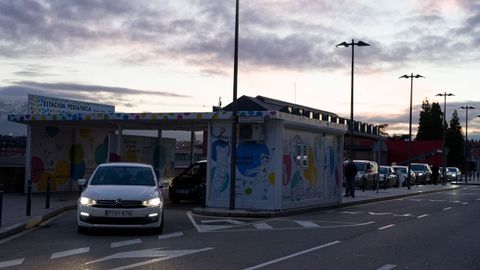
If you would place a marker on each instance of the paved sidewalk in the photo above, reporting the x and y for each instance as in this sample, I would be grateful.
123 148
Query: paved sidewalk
14 218
360 198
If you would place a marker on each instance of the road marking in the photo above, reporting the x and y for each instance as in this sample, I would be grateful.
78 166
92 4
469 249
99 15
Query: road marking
351 213
160 254
386 227
422 216
416 200
306 224
478 199
229 220
448 208
465 203
66 253
11 263
404 215
437 200
206 228
170 235
125 243
387 267
455 201
292 255
262 226
379 214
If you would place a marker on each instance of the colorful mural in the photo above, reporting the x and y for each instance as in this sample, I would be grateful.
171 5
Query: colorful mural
62 154
310 166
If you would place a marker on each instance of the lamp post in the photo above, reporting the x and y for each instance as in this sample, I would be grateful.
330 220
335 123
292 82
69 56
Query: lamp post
233 147
352 44
411 76
444 95
466 108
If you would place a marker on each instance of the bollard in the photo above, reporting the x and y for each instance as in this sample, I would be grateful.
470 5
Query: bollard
1 203
47 197
29 198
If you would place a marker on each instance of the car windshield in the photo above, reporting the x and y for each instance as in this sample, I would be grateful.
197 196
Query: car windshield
123 175
452 169
360 166
383 170
418 167
401 169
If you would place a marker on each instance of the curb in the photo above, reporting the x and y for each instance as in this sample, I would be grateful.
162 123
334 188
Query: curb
33 221
220 212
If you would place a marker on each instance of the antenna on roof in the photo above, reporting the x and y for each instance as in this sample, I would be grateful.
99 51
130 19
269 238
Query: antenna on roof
219 102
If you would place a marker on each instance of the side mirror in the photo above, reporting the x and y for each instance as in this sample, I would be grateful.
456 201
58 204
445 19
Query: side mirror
82 182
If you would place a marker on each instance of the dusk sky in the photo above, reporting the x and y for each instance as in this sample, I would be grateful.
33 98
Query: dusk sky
177 55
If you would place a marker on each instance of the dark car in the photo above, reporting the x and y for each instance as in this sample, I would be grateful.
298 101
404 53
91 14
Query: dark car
189 184
423 173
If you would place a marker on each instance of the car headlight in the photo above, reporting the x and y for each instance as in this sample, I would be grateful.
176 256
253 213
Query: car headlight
454 175
87 201
420 174
152 202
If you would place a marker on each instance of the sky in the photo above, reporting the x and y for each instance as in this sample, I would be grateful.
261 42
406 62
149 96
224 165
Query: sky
177 55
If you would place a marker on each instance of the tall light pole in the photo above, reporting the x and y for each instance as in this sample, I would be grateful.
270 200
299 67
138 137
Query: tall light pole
233 147
466 108
444 95
411 76
352 44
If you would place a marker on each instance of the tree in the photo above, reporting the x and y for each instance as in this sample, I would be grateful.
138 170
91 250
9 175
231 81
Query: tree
436 127
424 121
454 142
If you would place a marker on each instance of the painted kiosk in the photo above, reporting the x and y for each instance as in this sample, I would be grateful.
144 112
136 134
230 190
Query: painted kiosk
284 161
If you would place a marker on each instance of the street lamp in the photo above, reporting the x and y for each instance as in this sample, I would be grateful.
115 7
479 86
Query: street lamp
444 95
466 108
233 148
352 44
411 76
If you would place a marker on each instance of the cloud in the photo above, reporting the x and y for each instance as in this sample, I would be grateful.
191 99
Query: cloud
271 35
93 93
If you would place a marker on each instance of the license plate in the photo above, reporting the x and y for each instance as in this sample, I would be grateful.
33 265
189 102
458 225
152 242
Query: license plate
118 213
182 191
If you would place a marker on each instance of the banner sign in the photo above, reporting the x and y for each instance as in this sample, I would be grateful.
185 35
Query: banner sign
52 105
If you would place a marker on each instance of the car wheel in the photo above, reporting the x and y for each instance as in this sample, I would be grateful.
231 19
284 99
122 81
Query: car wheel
174 199
82 230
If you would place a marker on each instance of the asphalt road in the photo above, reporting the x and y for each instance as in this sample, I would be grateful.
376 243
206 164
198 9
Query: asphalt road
432 231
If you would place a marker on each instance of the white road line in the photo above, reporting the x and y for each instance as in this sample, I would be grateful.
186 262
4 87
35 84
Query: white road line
448 208
66 253
306 224
455 201
263 226
292 255
465 203
229 220
404 215
422 216
416 200
351 213
125 243
11 263
387 267
379 214
437 200
386 227
170 235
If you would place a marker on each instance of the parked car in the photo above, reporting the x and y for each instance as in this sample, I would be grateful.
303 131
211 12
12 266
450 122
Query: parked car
454 174
189 184
388 177
367 173
404 170
423 173
121 195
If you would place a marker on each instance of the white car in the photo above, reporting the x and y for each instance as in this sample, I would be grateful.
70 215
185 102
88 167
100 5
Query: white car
121 195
